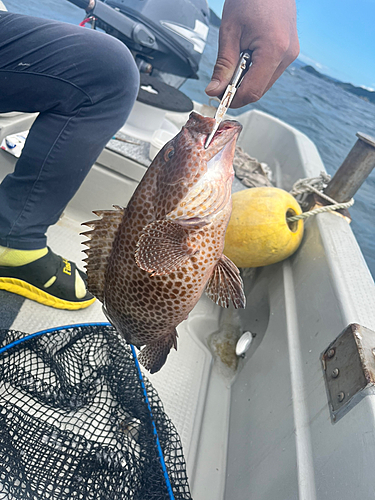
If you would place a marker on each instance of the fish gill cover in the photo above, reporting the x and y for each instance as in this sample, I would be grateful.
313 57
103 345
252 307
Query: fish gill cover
74 423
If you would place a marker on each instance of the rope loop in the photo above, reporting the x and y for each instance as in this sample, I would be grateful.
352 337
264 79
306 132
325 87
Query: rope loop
303 187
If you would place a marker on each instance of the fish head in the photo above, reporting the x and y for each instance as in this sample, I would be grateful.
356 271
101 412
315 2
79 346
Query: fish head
186 168
198 128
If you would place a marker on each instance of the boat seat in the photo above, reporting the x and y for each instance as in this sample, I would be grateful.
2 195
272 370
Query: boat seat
13 123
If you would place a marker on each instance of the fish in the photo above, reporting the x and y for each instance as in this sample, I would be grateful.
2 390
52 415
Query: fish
149 263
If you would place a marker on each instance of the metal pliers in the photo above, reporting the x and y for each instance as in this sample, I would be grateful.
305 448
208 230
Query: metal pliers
241 69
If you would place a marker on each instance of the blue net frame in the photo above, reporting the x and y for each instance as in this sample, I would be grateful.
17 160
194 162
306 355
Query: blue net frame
79 421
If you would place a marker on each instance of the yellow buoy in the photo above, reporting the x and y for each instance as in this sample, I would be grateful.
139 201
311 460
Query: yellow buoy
258 233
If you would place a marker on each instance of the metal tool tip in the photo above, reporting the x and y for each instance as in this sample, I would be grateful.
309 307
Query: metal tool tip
209 139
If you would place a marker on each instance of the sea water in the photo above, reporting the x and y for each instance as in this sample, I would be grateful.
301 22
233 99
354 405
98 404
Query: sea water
327 114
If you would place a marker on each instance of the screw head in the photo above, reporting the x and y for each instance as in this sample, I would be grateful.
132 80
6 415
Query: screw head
340 397
335 373
331 352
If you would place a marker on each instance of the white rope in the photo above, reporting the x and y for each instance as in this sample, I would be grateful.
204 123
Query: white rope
323 195
303 187
328 208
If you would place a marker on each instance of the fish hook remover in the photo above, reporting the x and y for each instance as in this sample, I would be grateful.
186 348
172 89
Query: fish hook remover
241 70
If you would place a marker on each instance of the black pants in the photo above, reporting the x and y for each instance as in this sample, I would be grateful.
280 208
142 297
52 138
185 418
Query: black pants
84 84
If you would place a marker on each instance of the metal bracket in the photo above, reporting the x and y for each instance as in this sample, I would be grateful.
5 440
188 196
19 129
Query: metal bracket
349 369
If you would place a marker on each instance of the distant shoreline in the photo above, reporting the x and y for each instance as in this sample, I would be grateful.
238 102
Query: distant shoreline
366 95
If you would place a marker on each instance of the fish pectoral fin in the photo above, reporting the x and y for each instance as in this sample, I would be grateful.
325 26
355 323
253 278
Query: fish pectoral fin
225 285
154 355
163 247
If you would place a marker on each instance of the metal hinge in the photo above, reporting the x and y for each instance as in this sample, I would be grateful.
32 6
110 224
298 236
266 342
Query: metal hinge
349 369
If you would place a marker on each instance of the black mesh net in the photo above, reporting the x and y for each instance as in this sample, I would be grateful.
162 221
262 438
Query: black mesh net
74 423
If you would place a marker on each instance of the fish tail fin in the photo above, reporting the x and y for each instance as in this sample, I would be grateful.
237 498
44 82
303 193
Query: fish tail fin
154 355
101 237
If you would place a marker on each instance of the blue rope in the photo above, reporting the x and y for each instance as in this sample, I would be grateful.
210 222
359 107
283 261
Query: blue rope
160 451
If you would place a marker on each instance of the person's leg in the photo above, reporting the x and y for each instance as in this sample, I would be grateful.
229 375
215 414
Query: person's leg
84 84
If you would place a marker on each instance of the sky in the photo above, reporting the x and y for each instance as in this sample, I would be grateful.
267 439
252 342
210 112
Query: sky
336 37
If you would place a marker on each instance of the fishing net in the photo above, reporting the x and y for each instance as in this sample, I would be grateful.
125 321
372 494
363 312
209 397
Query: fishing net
75 423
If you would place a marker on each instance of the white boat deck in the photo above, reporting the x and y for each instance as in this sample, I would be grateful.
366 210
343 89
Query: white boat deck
262 431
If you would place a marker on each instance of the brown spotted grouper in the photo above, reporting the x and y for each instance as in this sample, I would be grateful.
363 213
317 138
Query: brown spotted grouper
150 263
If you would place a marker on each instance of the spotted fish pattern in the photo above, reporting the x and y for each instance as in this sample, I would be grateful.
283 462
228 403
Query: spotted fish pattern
150 263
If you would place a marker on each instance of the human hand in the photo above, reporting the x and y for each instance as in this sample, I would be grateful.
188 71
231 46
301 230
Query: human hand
265 27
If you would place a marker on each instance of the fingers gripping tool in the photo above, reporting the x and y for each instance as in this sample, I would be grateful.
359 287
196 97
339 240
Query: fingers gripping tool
240 71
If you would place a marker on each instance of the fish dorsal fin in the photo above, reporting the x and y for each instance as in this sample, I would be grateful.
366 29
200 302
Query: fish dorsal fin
225 285
101 237
163 247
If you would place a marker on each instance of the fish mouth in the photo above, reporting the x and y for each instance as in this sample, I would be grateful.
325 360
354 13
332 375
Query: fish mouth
228 131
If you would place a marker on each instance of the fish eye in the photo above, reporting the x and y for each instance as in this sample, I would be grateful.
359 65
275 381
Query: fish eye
169 153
